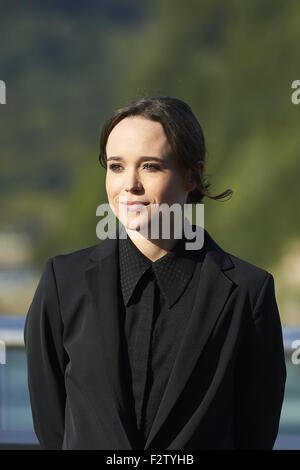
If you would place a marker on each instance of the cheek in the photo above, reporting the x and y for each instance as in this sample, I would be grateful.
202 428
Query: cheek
170 188
112 186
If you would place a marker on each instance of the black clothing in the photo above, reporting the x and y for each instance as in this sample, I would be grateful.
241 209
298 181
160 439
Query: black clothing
158 299
226 385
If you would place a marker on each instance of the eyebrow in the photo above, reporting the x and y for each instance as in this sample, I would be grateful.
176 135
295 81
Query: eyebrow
141 159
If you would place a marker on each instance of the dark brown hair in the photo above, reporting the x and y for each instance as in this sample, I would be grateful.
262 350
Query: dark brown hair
183 132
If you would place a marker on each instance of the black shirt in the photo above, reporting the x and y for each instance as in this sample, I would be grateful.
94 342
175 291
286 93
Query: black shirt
158 299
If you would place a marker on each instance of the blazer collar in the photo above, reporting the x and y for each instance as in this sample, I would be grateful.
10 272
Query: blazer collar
102 275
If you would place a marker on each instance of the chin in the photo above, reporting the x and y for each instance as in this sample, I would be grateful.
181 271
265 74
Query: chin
136 224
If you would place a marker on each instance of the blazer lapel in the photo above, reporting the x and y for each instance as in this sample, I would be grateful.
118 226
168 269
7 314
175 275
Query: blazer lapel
212 294
102 282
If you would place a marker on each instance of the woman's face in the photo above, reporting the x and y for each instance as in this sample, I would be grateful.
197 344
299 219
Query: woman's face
140 167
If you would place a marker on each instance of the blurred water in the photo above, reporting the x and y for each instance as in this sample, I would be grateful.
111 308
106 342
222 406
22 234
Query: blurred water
10 277
17 286
290 414
15 412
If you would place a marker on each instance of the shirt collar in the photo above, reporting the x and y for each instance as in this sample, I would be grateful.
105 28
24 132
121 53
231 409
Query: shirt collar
173 271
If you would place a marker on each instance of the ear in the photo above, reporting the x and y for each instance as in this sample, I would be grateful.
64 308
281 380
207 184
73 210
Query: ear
190 183
201 165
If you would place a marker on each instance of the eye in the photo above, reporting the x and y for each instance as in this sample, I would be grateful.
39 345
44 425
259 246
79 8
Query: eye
151 167
114 167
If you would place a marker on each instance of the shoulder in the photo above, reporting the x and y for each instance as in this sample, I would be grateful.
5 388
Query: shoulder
70 261
250 279
241 270
246 272
80 260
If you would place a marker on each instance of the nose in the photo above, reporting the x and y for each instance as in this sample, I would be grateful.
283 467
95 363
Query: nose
133 183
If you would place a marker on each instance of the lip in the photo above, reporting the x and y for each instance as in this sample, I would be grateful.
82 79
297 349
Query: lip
135 203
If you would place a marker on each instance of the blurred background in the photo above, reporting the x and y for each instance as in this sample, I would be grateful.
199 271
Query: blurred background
68 65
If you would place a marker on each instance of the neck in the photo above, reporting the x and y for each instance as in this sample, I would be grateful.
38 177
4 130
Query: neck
152 249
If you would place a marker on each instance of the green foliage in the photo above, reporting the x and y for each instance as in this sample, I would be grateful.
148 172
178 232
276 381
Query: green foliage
232 62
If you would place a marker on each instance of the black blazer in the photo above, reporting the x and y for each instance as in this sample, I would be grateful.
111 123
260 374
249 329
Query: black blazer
227 384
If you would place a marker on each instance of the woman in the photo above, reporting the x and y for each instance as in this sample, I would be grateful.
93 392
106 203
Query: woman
139 342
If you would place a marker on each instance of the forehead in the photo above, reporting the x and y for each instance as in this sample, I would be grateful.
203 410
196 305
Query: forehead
137 134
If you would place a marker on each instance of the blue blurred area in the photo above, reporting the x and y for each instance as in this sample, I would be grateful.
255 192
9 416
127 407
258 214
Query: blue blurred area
15 413
289 429
12 322
16 425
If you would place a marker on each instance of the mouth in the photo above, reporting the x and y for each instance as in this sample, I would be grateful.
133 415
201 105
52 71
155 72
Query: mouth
135 203
134 207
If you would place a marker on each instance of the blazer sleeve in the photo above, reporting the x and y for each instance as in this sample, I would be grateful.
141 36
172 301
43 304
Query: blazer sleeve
46 360
260 375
